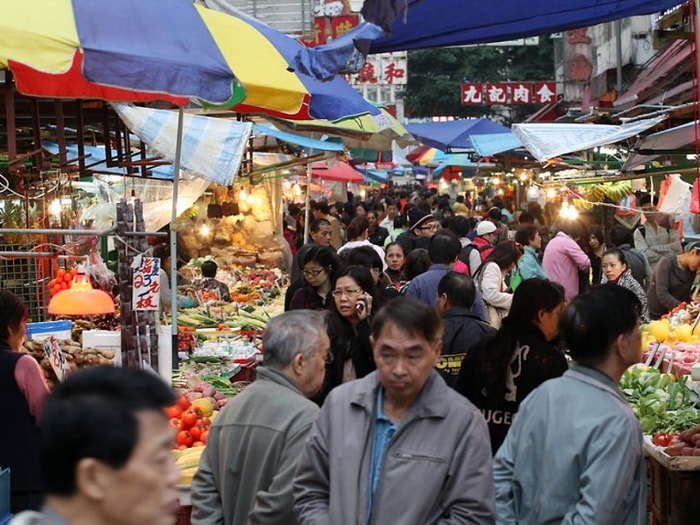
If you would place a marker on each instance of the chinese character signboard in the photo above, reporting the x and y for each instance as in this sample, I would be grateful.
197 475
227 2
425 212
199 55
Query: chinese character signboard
472 94
508 93
146 283
545 92
383 69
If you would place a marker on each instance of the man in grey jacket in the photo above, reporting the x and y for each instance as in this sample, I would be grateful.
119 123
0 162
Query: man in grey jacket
246 470
399 445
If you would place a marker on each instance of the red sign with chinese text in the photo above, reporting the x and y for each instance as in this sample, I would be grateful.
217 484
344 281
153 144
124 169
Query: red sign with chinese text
329 28
508 93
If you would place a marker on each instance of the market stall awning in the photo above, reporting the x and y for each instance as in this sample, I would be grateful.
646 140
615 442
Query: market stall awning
652 146
546 141
376 132
211 148
418 24
299 140
454 134
379 176
450 22
492 143
665 64
338 171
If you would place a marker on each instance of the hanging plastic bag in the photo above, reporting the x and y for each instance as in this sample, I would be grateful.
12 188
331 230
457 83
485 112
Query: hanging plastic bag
677 194
695 197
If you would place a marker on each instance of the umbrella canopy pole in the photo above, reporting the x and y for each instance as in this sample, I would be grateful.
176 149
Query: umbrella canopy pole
307 207
173 238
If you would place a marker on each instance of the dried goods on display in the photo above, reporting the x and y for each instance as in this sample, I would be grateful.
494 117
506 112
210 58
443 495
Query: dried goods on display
75 355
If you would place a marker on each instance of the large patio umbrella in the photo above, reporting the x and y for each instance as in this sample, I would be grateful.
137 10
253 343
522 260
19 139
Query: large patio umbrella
139 50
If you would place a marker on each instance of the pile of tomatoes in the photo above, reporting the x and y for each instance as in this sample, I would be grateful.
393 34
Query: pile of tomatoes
62 281
191 426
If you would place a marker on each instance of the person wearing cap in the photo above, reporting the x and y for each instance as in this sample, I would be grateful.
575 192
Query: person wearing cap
422 226
483 243
672 280
495 216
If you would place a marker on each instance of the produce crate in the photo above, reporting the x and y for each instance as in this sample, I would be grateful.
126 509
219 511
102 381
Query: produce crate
674 485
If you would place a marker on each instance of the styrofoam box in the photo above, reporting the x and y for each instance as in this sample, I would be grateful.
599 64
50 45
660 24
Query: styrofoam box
104 340
110 340
46 329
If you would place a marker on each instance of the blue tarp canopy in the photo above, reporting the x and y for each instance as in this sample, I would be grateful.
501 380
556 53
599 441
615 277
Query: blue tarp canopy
454 134
493 143
456 22
379 176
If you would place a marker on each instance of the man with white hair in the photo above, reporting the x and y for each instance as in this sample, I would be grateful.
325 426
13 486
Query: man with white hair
246 471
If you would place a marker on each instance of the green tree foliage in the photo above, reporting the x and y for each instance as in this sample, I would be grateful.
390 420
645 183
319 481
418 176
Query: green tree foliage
435 77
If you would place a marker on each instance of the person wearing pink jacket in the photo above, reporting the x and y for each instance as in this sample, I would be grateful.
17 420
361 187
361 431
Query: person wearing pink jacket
563 259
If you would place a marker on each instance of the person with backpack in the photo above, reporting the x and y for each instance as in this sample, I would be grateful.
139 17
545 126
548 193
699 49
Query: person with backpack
652 239
482 245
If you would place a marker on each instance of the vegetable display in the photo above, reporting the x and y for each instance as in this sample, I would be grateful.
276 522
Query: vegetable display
686 443
661 401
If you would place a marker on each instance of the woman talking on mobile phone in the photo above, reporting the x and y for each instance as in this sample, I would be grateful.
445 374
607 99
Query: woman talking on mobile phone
350 357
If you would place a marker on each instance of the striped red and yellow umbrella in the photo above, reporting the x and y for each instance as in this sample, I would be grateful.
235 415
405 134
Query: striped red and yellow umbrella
140 50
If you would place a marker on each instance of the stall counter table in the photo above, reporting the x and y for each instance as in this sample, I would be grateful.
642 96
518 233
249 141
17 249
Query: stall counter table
674 486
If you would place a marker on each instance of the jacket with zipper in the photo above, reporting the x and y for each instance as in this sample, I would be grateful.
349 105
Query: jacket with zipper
436 469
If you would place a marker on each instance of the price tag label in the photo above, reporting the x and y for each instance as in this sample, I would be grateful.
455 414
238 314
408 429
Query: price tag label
56 358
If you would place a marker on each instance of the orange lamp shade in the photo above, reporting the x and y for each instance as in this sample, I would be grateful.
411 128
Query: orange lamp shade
81 299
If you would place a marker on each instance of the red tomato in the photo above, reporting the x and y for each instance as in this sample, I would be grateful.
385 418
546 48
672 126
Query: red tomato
204 421
189 418
175 423
198 444
183 402
184 438
205 435
196 431
173 411
661 439
182 447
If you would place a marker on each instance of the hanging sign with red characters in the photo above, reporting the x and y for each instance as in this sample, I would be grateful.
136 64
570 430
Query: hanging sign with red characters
383 69
508 93
146 283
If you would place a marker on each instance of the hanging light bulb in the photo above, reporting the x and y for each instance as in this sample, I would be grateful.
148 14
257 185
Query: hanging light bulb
81 299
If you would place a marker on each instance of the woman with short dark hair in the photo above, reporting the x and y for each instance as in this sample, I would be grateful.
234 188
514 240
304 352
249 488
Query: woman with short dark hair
529 265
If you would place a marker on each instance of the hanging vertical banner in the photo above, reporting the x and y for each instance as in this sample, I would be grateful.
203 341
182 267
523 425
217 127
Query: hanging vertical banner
146 283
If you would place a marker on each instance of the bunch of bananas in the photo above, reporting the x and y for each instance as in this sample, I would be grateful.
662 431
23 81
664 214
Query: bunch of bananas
612 191
616 191
582 204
